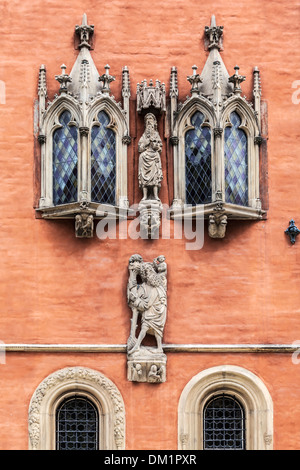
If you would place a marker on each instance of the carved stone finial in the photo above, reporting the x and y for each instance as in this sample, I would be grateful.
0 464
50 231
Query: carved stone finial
151 95
195 80
214 34
237 79
106 79
84 31
63 79
148 303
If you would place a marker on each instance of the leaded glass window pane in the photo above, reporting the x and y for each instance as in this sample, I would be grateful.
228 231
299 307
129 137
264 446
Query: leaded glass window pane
77 425
224 424
103 161
65 162
236 163
198 162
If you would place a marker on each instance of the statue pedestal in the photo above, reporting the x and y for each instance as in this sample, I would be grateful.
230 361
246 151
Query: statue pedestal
150 215
146 365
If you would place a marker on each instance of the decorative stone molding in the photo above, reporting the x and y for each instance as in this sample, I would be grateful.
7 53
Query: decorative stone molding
79 380
148 302
233 380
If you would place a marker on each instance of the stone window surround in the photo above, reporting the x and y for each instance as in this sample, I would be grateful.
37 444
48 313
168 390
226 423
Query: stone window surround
247 388
79 381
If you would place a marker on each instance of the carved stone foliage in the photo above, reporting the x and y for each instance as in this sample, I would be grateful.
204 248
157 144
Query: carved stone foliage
147 299
150 176
41 409
84 225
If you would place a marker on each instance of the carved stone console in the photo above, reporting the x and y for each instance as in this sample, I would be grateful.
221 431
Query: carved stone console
147 299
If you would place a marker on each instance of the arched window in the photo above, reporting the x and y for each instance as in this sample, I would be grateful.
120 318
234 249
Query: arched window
65 158
236 162
76 408
198 162
225 407
77 425
224 424
103 161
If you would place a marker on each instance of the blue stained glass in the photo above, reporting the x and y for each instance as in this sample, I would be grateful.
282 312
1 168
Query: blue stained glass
236 163
65 162
103 161
198 162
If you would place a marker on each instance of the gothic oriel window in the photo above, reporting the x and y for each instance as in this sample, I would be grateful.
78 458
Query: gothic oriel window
83 134
215 135
224 424
77 425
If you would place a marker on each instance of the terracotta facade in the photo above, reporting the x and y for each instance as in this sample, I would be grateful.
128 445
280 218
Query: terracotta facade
56 289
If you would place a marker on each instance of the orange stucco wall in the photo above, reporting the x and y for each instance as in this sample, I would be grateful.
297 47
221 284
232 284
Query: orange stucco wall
59 289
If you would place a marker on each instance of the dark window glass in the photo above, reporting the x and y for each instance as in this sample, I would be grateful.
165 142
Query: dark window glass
65 162
224 424
77 425
198 162
236 163
103 162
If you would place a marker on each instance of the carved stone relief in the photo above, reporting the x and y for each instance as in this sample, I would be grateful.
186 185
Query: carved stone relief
147 299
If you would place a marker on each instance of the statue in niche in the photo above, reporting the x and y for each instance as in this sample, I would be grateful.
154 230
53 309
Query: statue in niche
150 170
147 298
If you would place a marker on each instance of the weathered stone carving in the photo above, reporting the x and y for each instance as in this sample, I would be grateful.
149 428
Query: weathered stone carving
217 225
84 225
151 96
147 298
150 176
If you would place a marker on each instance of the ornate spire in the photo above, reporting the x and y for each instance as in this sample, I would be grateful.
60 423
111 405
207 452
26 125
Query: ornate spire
237 79
173 83
214 35
84 31
42 86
